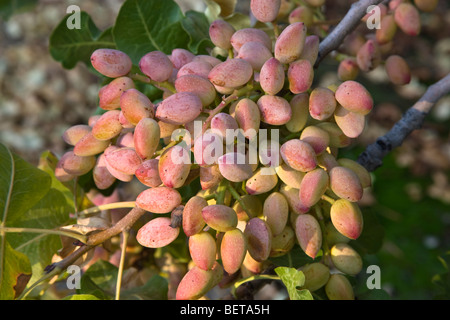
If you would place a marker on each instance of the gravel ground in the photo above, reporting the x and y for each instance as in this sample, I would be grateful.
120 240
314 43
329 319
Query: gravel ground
39 99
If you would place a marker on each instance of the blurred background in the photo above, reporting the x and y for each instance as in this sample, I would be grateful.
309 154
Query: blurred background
410 199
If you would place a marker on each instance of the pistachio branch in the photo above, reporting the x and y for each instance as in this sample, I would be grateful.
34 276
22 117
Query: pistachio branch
413 119
331 42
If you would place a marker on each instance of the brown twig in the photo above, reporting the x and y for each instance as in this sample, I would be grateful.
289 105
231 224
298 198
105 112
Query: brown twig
372 157
124 223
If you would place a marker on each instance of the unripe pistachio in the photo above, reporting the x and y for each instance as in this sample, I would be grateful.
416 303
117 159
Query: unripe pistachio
157 233
157 66
337 138
220 217
283 242
348 69
300 76
316 276
289 176
346 184
293 199
210 176
354 97
299 155
107 126
346 259
180 57
192 215
316 137
159 199
274 110
248 116
369 56
197 282
407 18
313 186
174 166
272 76
180 108
351 123
109 95
259 239
198 85
265 10
202 248
111 63
347 218
135 106
339 288
233 248
276 212
234 167
73 134
311 49
90 146
387 31
299 106
289 44
147 173
426 5
232 73
220 33
397 70
255 53
359 170
146 137
76 165
103 179
309 234
261 182
301 14
250 34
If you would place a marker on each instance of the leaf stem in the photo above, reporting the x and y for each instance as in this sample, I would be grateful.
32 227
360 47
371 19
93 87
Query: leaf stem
108 206
77 236
125 235
160 85
252 278
238 198
221 189
328 199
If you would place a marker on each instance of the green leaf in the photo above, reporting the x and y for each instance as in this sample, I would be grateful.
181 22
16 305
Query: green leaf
50 212
70 46
197 26
103 274
21 187
148 25
155 289
293 278
11 7
16 272
87 286
81 297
